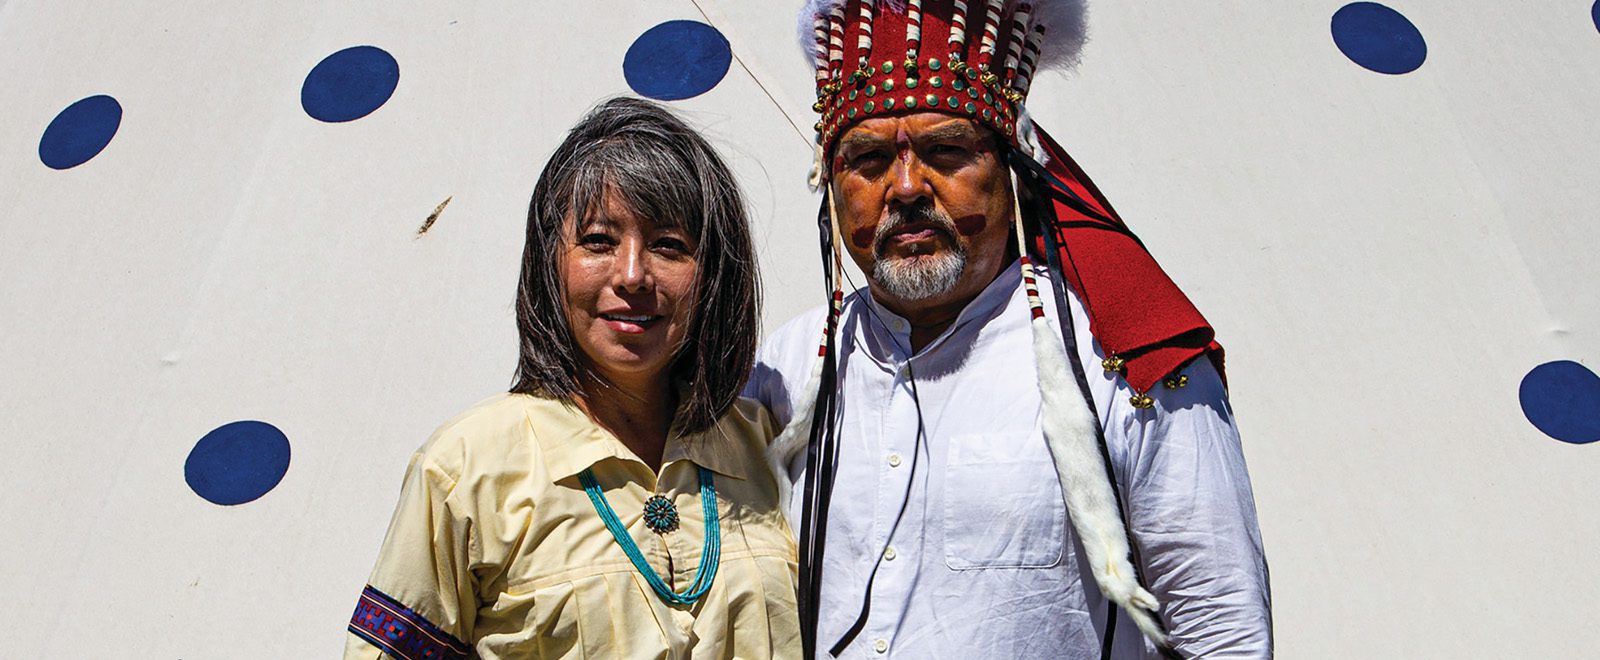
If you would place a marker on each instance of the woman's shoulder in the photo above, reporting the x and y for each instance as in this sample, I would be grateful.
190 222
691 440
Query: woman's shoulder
486 432
749 421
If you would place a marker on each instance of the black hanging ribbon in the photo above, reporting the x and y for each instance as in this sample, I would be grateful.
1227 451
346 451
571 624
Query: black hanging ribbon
821 459
1050 229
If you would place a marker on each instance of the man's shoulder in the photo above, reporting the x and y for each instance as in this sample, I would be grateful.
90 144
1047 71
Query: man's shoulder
786 357
804 327
785 354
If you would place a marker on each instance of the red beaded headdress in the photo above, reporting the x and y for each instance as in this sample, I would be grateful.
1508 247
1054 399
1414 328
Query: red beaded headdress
974 58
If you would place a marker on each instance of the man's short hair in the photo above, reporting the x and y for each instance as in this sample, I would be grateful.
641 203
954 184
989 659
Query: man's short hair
665 171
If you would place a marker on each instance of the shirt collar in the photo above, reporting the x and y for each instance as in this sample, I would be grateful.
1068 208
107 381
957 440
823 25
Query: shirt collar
895 330
571 443
713 449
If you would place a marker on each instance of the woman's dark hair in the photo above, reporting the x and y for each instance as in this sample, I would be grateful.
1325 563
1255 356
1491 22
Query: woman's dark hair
665 171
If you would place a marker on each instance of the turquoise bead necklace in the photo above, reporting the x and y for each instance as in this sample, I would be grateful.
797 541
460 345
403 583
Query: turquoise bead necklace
661 518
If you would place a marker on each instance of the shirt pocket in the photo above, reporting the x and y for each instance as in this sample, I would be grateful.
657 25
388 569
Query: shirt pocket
1002 504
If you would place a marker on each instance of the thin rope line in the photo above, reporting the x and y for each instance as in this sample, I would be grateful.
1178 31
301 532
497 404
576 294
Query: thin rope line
753 77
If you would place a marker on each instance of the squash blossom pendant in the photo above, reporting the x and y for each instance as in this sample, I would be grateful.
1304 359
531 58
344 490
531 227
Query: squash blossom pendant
660 515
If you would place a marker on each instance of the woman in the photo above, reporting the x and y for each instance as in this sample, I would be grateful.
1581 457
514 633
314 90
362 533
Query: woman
615 504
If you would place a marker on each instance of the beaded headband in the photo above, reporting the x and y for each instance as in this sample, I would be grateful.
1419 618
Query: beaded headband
971 58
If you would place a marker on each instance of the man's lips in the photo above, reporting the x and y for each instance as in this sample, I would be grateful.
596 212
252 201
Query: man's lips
913 233
630 324
910 236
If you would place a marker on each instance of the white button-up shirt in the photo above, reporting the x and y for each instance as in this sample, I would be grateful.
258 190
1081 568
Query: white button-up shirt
983 562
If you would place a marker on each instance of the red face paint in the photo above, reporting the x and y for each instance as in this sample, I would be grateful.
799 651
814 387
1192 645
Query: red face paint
862 237
972 224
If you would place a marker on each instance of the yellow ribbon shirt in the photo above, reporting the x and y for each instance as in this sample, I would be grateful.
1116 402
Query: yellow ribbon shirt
495 550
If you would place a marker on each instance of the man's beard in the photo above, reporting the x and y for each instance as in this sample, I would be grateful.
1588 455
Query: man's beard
928 275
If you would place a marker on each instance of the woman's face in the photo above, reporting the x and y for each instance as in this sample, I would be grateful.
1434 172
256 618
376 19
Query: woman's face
628 289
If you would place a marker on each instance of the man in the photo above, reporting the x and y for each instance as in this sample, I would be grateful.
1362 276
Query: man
964 492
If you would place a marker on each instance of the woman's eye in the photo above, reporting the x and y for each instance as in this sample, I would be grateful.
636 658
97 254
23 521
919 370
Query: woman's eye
596 240
672 245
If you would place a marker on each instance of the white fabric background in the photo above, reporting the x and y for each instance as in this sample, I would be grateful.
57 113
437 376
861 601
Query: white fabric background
1384 256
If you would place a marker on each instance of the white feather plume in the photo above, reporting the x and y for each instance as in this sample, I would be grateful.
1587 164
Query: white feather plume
1065 21
806 27
1066 31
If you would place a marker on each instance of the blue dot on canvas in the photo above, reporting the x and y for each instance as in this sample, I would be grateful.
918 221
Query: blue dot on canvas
677 60
350 84
1562 399
1594 14
80 132
1378 38
237 462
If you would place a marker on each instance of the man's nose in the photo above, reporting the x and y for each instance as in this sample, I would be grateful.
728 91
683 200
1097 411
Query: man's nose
910 182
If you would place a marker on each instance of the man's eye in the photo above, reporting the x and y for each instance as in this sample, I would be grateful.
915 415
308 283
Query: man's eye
948 150
869 158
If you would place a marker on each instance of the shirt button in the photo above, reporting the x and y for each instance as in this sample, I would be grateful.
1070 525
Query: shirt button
889 554
881 646
894 460
898 325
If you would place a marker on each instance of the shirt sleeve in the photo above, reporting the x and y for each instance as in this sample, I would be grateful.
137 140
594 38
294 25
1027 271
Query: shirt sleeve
421 599
1192 515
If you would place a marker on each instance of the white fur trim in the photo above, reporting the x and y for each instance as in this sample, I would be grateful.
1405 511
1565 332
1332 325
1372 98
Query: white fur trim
1069 430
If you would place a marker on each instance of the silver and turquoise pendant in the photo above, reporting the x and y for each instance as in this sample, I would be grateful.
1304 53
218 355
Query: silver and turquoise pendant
660 515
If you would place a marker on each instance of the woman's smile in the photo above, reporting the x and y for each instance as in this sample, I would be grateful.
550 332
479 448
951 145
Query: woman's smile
631 324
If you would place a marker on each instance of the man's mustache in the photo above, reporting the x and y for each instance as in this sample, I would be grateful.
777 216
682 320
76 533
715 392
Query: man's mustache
901 216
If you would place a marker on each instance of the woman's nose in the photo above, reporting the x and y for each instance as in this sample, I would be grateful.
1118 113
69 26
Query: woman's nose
634 274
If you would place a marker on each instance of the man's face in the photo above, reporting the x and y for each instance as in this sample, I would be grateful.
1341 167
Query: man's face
924 208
